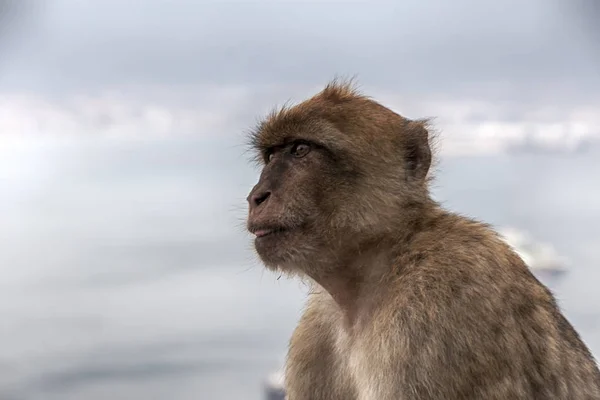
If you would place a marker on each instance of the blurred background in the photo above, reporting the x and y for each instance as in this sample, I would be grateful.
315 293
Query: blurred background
125 269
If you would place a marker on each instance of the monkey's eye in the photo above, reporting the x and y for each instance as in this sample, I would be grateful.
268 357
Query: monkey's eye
269 156
300 149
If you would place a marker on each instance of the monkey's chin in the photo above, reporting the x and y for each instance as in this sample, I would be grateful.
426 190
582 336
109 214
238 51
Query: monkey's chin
274 248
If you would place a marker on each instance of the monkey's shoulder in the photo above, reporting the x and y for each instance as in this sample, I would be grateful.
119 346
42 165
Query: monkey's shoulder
463 273
456 247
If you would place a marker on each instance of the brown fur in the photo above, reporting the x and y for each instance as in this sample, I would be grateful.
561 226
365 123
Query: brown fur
409 301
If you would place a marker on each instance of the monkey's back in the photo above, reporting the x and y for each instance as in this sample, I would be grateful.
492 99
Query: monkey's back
480 322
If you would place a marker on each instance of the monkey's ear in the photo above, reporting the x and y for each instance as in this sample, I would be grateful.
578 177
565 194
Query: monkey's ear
417 152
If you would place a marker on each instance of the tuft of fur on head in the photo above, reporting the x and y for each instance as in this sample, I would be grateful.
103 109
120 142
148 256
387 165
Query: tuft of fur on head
339 90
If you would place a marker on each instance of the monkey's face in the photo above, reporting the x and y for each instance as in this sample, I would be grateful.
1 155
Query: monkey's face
288 205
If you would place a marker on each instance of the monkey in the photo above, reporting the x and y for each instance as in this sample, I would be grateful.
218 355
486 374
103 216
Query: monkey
407 300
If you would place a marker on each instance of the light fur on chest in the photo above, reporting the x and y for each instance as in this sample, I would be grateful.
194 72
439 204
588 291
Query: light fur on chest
363 367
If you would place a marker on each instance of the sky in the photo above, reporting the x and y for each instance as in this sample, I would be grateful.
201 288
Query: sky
106 72
490 73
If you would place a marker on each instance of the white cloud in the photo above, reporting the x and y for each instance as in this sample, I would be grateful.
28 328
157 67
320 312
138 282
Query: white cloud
482 127
467 126
106 114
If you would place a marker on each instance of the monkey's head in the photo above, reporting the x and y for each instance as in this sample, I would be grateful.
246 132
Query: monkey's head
339 171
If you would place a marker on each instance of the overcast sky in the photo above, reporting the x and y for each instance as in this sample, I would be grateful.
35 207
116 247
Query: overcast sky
158 63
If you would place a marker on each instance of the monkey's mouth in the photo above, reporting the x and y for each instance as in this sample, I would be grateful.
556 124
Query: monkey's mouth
265 232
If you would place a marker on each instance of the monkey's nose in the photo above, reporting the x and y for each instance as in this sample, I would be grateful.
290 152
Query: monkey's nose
256 199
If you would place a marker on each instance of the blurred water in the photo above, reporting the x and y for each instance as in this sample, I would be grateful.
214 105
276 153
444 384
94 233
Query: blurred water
125 271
